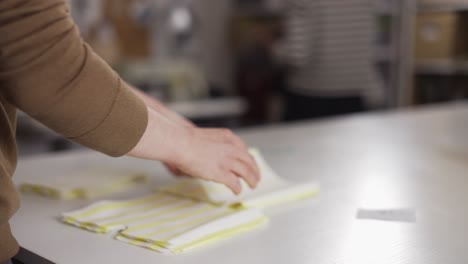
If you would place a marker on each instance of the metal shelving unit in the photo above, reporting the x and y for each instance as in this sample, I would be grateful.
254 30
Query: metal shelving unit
442 66
397 53
408 9
441 69
445 7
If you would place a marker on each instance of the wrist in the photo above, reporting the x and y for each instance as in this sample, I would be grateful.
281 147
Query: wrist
163 140
177 144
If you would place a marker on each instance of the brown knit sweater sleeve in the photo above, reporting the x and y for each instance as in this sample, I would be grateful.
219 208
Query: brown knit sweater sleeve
47 71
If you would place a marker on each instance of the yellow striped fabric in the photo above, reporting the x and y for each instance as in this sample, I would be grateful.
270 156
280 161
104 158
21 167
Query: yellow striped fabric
85 184
272 189
191 212
164 223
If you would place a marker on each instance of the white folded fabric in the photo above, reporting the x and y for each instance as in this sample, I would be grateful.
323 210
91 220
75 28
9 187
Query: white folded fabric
165 223
271 190
88 183
191 212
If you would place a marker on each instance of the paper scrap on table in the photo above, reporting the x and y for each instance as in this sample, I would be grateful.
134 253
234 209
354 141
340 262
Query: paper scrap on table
392 214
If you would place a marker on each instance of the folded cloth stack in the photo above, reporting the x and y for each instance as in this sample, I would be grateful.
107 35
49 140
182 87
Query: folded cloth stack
165 223
190 212
85 184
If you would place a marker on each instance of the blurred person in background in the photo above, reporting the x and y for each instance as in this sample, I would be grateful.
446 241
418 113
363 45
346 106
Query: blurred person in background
329 48
47 71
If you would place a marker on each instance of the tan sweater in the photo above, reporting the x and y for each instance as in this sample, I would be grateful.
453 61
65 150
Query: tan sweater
47 71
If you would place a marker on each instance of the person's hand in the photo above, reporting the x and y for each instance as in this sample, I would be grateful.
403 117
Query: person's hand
173 169
216 155
172 116
212 154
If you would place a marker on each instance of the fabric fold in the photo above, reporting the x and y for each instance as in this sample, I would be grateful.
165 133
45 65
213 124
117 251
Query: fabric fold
163 222
85 184
272 189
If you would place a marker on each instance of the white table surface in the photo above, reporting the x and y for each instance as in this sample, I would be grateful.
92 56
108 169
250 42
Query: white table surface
416 158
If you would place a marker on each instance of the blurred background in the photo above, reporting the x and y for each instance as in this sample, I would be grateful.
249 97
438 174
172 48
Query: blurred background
243 63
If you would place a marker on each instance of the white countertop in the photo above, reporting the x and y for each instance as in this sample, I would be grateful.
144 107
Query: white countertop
416 159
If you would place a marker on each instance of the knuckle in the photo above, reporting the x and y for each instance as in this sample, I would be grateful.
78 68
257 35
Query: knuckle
227 134
234 181
231 151
237 140
223 167
229 180
245 170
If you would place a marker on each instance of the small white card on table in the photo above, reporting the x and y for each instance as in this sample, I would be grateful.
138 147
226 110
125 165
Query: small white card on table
388 214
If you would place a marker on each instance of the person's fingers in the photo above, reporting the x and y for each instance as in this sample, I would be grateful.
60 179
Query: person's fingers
232 182
249 161
255 165
178 172
235 140
174 170
244 171
168 167
224 135
227 136
247 158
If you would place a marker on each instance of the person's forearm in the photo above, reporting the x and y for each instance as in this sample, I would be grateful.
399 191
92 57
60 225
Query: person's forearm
157 106
50 73
161 138
211 154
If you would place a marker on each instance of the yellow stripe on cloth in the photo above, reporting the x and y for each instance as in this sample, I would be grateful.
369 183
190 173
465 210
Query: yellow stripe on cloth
191 224
174 224
141 209
84 184
164 246
222 235
204 208
187 204
118 205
